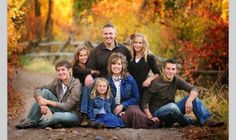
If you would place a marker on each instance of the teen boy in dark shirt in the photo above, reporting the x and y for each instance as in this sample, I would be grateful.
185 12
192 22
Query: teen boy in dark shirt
159 104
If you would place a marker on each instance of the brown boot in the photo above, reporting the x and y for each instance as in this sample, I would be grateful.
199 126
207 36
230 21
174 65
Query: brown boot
213 123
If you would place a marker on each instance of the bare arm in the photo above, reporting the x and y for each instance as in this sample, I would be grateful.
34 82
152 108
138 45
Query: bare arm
189 105
44 102
149 115
149 79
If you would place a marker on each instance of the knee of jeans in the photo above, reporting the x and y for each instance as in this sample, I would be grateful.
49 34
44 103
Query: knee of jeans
45 92
196 101
64 116
173 108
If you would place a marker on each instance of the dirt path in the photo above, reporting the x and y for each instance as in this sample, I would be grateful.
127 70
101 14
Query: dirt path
24 82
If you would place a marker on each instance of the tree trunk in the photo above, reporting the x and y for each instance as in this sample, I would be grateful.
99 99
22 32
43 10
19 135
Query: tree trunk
37 11
49 22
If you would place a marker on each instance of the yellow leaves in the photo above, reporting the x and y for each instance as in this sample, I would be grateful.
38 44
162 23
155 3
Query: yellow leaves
62 17
225 11
16 13
162 11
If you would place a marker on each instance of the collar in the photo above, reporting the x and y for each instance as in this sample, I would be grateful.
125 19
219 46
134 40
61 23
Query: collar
69 83
104 46
168 80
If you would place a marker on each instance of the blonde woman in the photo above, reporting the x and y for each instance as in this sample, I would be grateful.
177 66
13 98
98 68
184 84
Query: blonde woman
101 105
142 61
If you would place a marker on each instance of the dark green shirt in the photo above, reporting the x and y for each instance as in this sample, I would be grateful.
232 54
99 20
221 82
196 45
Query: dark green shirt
162 92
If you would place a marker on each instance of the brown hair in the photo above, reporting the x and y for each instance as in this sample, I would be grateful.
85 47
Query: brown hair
109 25
172 61
113 59
75 61
63 63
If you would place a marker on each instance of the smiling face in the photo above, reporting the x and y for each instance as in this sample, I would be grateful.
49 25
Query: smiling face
102 87
116 68
63 73
109 35
138 44
170 70
83 56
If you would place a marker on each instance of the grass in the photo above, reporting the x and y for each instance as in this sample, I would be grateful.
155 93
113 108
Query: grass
40 65
215 100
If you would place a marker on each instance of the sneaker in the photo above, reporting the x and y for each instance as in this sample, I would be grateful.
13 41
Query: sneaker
27 123
213 123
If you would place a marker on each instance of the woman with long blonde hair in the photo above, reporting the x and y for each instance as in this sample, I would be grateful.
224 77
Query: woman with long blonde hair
142 62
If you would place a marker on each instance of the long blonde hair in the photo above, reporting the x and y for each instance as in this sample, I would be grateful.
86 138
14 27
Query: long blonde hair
113 59
75 61
145 47
95 93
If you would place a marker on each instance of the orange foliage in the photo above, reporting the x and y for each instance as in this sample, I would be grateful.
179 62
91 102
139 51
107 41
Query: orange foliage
187 30
16 13
211 51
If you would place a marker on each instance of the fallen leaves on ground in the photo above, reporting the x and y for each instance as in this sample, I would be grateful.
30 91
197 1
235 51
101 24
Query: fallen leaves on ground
203 133
14 104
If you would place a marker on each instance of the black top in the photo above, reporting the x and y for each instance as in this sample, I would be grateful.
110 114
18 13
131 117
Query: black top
80 72
162 92
141 69
98 59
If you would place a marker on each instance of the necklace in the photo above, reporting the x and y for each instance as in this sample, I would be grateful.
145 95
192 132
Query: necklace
117 78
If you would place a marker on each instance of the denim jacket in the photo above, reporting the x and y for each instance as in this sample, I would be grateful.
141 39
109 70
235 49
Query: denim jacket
96 105
128 91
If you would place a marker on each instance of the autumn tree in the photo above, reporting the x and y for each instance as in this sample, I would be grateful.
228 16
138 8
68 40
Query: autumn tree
16 13
196 32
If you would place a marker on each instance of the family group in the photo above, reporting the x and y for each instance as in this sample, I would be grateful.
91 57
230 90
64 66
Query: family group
112 86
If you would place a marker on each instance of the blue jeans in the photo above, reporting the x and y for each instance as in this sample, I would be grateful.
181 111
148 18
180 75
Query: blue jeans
66 119
174 112
85 99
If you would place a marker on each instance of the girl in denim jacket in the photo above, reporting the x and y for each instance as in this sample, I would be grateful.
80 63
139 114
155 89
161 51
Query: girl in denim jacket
101 105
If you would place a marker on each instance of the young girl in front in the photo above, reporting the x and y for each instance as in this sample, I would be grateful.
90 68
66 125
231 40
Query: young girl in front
101 105
80 71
